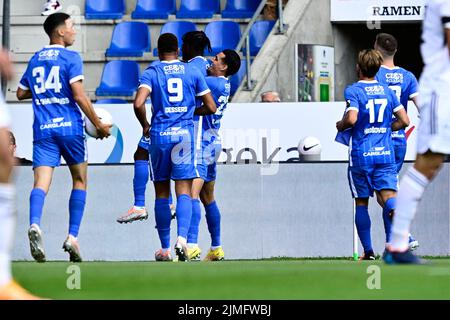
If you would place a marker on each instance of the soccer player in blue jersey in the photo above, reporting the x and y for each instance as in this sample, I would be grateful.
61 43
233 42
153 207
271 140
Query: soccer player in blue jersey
172 86
370 106
406 88
224 65
194 45
54 81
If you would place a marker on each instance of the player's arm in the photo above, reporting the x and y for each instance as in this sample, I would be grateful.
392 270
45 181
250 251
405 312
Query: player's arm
23 94
402 119
139 108
348 121
208 106
85 104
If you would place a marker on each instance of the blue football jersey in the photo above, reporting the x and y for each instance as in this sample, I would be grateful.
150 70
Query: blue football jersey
371 141
220 90
405 86
201 63
49 75
174 85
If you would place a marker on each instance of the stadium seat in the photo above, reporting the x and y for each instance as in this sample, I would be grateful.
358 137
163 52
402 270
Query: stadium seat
105 9
178 28
153 9
111 101
119 78
129 39
223 35
237 78
198 9
258 35
240 8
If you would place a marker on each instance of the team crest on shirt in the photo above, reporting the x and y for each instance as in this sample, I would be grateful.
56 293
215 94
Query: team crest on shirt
51 54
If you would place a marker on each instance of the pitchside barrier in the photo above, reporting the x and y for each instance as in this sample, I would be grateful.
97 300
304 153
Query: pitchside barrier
287 209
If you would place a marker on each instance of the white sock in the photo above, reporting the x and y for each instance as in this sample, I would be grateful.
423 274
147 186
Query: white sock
214 248
7 226
138 208
192 245
411 189
181 239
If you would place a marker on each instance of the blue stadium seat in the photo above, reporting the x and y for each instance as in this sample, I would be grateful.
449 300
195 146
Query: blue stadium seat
237 78
240 8
153 9
111 101
178 28
119 78
129 39
223 35
105 9
258 35
198 9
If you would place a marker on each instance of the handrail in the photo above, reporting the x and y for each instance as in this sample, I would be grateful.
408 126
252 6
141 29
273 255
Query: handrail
246 38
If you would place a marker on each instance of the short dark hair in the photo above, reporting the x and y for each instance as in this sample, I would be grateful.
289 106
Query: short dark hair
53 21
369 62
197 40
232 60
167 43
386 43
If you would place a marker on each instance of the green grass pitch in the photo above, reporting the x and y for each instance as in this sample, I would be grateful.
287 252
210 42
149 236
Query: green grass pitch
257 279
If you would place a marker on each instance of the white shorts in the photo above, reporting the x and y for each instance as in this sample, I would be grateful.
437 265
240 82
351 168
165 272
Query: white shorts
434 127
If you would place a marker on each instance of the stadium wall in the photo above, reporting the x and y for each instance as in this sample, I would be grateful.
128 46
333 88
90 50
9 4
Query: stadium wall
305 210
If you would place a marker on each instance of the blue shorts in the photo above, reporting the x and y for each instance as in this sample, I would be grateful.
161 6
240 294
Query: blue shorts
400 153
48 152
144 142
364 180
174 161
207 161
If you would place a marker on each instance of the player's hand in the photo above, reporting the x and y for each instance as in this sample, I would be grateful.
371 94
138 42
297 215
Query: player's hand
339 125
104 130
6 67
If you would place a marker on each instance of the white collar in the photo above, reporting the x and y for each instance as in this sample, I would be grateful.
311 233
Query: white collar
54 46
203 58
368 81
171 61
386 67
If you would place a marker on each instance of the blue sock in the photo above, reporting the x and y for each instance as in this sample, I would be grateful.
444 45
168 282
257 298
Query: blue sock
195 222
163 218
184 214
213 221
362 221
37 198
387 219
76 209
140 182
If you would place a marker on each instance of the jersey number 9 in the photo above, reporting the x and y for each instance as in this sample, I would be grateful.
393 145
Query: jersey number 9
175 88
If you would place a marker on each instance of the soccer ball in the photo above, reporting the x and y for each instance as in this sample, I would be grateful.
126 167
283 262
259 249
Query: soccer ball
105 117
309 149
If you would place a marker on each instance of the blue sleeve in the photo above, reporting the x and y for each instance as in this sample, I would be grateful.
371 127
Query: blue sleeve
76 68
146 79
24 82
212 83
413 89
201 88
352 99
395 103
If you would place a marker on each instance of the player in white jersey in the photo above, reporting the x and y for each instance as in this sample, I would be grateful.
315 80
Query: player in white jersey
9 290
433 142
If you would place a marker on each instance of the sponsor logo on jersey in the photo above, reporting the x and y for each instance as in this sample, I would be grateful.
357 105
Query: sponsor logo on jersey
56 123
377 151
174 69
51 54
375 130
174 131
394 77
374 90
